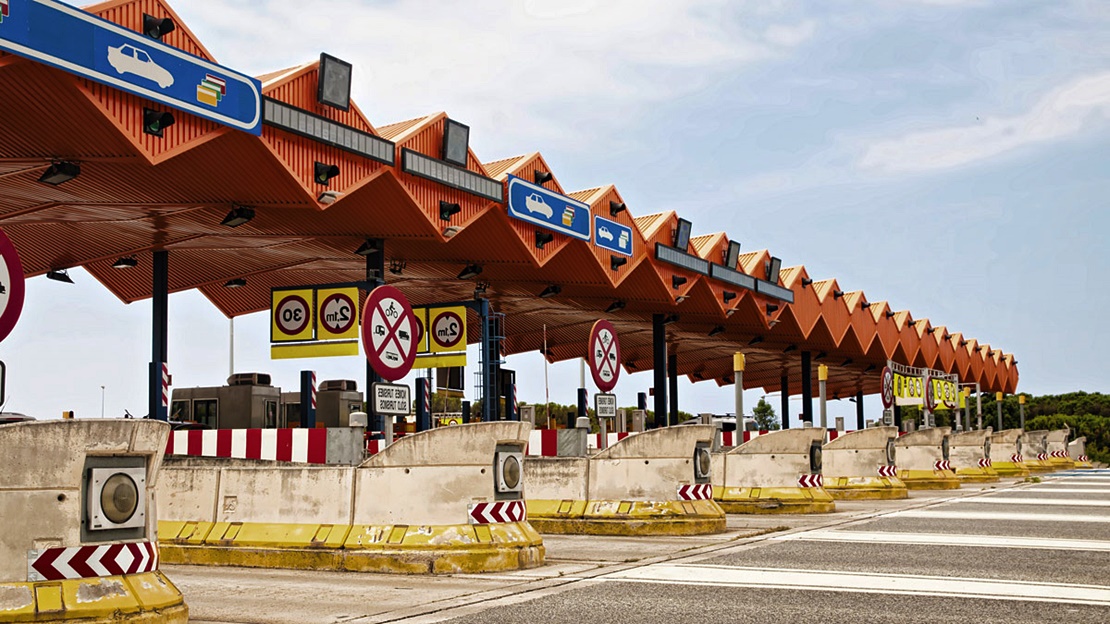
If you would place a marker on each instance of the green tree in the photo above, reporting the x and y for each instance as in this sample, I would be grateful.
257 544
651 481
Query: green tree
765 418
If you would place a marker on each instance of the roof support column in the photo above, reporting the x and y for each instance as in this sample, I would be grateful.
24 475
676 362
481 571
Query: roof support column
672 375
738 383
375 270
898 416
859 410
160 294
784 397
659 367
807 389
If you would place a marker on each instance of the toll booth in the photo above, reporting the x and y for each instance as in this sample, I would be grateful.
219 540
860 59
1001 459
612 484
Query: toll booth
248 401
336 399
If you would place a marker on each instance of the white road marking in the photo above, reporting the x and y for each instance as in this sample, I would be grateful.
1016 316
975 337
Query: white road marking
1076 502
988 515
990 541
903 584
1040 489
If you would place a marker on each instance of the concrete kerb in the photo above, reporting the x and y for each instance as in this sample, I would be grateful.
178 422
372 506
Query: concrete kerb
1077 449
1006 453
970 452
1056 445
774 473
860 465
54 546
631 488
1035 451
404 510
920 460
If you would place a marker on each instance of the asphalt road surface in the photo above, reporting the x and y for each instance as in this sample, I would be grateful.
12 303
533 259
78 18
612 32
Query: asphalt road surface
1007 552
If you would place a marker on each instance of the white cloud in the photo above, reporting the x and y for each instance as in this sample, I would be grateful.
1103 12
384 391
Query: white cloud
790 35
1061 113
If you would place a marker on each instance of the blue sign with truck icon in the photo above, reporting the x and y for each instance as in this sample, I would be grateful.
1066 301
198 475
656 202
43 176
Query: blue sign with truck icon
72 40
548 209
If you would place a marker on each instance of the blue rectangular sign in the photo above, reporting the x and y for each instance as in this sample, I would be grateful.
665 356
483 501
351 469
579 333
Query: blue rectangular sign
612 236
548 209
70 39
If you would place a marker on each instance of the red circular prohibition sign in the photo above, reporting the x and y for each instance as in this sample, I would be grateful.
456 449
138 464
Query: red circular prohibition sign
604 356
11 286
389 332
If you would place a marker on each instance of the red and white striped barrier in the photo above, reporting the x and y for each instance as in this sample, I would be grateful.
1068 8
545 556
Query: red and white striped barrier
1016 458
811 481
832 434
56 564
942 464
888 471
502 511
985 463
302 446
701 491
593 441
165 385
542 443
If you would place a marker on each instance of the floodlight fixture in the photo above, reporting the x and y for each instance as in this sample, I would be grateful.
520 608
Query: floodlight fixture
329 197
680 298
470 271
865 304
61 171
543 238
838 294
717 330
480 289
755 340
333 82
551 291
771 308
456 142
542 176
368 247
616 207
59 275
238 216
890 314
616 306
963 343
682 234
947 336
931 330
806 282
730 312
125 262
772 268
237 282
157 27
322 173
728 296
670 318
677 280
616 262
397 267
846 362
448 209
913 322
155 121
732 256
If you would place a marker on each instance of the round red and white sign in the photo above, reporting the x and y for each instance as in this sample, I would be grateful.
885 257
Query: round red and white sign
389 332
930 396
11 286
447 329
604 355
292 315
887 392
338 313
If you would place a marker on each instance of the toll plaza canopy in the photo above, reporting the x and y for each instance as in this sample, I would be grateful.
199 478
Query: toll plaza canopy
292 205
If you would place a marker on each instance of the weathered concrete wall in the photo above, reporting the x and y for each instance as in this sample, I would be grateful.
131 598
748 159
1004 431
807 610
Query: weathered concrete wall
968 447
1007 443
459 445
1033 443
42 479
305 495
858 453
648 466
1057 441
556 478
921 449
776 459
1078 447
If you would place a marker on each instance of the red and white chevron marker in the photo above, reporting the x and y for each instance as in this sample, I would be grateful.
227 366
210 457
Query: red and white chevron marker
1016 458
888 471
502 511
1042 456
811 481
700 491
985 463
1083 458
942 464
56 564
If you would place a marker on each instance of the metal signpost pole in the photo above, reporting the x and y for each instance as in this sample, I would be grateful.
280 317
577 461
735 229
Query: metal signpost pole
488 383
860 423
784 400
978 408
807 389
672 389
738 371
1021 410
375 270
998 402
822 382
659 365
159 327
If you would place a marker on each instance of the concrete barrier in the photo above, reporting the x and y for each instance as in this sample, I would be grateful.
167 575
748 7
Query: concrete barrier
651 483
970 454
1006 453
1077 449
447 500
1056 445
79 523
333 446
861 465
923 460
779 472
1035 451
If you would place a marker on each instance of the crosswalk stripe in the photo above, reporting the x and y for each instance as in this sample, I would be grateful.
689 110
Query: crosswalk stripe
938 514
945 539
1040 489
1074 502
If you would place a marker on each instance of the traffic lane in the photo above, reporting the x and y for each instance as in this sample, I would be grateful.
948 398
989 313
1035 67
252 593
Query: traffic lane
606 549
939 559
626 603
1054 494
989 523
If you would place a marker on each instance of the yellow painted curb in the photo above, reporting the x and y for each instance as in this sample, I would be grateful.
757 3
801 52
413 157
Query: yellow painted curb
605 517
780 500
866 488
144 598
398 549
1061 463
1083 465
929 479
1011 469
977 475
1038 465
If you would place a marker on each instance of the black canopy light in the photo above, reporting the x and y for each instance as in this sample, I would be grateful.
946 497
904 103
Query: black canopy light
238 216
61 171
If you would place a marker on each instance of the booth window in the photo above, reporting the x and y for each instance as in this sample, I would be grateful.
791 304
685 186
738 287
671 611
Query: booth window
206 412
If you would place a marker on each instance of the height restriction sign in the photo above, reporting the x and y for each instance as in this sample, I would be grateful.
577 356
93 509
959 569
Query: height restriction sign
389 333
604 355
337 313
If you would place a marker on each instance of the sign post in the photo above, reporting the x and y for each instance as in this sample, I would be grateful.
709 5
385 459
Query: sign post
389 339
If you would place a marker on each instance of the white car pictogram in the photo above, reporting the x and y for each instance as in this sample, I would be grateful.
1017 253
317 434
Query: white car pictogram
535 203
127 59
603 232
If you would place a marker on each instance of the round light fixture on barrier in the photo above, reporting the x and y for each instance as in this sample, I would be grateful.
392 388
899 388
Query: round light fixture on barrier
119 498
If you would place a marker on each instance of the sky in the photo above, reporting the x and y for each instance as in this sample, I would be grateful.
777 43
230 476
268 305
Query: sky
948 156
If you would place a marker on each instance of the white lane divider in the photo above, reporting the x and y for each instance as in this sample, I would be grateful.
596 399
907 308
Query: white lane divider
1072 502
1041 489
944 539
856 582
938 514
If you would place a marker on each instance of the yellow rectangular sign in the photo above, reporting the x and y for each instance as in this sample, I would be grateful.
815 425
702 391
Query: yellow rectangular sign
291 315
422 335
446 360
946 394
446 329
332 348
337 314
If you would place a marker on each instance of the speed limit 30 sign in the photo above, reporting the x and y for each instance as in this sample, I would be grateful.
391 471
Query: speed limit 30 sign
291 316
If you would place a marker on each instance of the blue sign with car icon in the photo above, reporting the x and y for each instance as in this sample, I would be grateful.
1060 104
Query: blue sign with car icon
548 209
612 236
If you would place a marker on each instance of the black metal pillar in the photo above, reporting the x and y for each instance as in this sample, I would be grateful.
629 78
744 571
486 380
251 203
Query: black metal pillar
672 378
160 294
308 399
583 404
898 416
641 401
784 394
860 424
466 411
423 404
375 275
489 384
807 388
659 366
